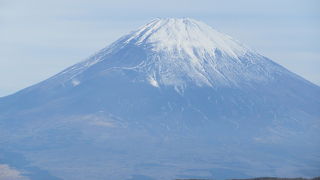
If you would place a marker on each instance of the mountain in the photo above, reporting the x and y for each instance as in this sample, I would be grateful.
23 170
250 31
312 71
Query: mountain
173 99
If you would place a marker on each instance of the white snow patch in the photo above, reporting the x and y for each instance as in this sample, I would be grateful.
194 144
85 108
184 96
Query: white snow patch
75 82
153 82
184 35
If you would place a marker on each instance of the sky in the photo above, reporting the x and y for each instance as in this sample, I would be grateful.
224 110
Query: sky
39 38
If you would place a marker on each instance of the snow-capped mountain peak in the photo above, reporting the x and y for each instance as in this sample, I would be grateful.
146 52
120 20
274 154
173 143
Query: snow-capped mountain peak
179 53
185 35
173 100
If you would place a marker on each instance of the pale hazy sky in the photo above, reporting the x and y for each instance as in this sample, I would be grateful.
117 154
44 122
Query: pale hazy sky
39 38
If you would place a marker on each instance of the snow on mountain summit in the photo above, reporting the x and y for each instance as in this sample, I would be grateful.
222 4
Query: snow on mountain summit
185 35
178 53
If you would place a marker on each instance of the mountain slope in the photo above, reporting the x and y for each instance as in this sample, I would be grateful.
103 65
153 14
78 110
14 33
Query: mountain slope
174 99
